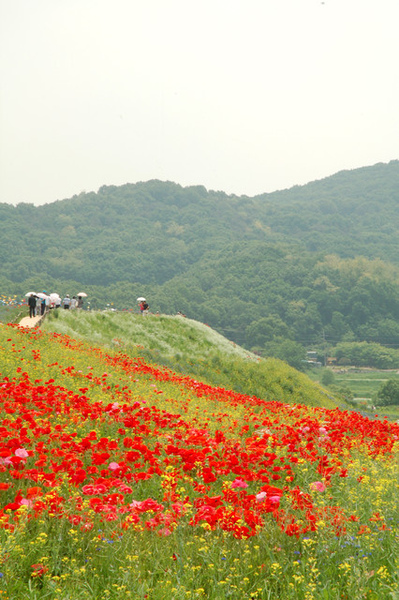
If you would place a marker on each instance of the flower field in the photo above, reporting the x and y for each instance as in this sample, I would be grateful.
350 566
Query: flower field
122 480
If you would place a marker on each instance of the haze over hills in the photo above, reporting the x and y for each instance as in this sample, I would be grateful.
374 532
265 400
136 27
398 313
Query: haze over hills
312 263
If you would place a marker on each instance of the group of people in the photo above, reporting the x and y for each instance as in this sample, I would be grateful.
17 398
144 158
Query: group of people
143 306
72 303
40 303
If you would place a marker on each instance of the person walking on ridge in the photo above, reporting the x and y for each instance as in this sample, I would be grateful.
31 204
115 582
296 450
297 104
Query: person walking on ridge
43 303
32 306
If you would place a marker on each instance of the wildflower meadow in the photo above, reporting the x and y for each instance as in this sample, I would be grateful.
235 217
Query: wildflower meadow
120 479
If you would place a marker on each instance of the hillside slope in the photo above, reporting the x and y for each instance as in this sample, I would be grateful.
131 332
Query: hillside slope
194 349
123 480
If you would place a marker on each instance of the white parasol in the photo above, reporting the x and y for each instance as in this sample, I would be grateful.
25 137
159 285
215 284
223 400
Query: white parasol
42 296
141 299
30 294
82 294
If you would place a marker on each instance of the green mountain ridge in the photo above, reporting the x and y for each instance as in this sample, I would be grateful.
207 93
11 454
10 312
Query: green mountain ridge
316 264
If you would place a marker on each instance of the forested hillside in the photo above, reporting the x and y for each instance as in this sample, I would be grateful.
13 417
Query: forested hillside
315 264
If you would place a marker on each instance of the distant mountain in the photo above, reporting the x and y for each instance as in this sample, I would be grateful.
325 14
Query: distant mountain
315 260
350 213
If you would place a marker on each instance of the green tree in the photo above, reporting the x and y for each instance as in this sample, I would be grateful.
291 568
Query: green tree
388 394
327 377
264 330
362 354
287 350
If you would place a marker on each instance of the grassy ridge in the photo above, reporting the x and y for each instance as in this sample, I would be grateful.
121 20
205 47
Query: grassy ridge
192 348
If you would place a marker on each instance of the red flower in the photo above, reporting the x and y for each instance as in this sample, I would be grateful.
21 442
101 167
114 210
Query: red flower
38 570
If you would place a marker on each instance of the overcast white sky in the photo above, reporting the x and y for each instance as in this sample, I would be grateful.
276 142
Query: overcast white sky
244 96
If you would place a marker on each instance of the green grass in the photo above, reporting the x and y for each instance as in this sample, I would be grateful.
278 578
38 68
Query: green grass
363 383
11 313
192 348
168 335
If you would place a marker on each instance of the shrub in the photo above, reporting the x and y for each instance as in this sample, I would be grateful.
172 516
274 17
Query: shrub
388 394
327 377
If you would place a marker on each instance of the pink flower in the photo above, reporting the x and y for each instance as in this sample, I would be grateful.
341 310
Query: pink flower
261 496
113 466
21 453
26 502
275 499
239 483
318 486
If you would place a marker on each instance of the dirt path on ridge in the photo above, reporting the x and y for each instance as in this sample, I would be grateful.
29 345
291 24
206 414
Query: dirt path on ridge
30 322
